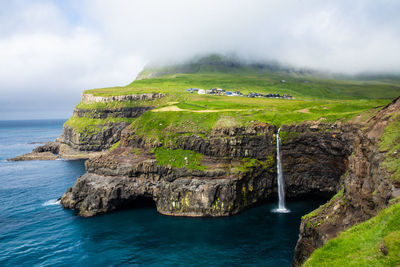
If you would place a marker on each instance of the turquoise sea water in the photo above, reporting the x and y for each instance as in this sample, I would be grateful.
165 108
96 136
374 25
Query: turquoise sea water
36 231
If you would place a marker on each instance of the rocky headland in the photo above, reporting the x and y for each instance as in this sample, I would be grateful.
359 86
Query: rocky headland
104 131
239 170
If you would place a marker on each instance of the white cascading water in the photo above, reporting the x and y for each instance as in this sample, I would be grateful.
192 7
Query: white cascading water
281 183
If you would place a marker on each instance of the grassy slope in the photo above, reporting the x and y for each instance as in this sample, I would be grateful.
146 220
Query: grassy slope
250 81
278 112
360 245
91 126
327 98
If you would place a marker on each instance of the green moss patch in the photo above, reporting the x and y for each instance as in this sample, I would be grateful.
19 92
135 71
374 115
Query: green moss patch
249 163
114 146
285 136
178 158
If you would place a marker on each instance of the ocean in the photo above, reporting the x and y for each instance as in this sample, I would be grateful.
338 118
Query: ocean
36 231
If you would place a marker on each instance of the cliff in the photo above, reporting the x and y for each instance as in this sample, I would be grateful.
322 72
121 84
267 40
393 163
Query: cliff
237 170
367 186
96 124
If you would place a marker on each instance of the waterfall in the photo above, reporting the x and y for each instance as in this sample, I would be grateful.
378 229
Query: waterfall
281 183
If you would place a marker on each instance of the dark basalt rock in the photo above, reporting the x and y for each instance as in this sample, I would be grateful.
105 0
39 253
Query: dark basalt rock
221 189
53 147
126 112
314 157
35 156
48 151
115 179
101 139
257 141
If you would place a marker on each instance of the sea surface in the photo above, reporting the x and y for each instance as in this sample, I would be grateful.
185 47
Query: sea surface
36 231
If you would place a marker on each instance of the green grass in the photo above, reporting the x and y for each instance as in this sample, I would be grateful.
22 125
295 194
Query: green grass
121 104
178 158
249 163
166 125
390 143
325 99
92 126
317 211
360 245
266 82
114 146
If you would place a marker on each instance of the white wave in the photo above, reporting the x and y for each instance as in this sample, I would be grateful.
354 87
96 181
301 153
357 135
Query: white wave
52 202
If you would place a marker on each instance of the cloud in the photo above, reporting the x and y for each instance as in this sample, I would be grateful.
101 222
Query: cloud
46 61
52 50
340 36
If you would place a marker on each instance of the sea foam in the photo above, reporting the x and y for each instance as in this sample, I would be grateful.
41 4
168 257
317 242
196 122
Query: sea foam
52 202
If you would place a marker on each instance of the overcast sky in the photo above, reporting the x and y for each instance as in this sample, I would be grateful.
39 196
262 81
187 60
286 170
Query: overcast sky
51 50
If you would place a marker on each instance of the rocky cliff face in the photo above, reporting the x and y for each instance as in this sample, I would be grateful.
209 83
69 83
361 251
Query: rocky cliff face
116 179
97 128
101 138
314 158
90 98
103 135
367 189
226 186
257 141
124 112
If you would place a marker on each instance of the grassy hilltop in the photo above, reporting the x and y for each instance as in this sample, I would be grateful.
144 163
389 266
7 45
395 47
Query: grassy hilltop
317 96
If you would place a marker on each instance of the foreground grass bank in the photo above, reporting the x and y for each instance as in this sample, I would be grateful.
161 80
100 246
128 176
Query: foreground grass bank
375 242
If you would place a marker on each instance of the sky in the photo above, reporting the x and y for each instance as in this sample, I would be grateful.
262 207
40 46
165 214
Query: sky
52 50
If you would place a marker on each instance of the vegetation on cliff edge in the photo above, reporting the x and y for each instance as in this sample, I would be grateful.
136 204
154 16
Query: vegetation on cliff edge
390 144
92 126
375 242
178 158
